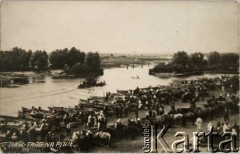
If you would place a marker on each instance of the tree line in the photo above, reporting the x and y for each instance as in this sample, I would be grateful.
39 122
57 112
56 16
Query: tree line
72 61
182 62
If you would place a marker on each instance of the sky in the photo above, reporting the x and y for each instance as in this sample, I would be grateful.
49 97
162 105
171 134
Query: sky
121 26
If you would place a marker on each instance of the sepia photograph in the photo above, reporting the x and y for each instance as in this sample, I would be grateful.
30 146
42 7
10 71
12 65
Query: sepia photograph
119 76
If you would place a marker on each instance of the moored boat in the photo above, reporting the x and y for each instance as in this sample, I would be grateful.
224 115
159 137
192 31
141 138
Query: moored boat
186 74
122 92
137 77
90 82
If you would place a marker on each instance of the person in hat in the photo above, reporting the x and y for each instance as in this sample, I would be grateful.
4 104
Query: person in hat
210 127
68 129
119 128
32 134
236 127
39 108
23 134
234 133
83 133
131 128
117 110
226 127
54 138
198 123
136 112
219 127
160 109
226 114
44 130
118 122
65 119
138 123
101 121
91 120
126 109
49 137
84 142
150 113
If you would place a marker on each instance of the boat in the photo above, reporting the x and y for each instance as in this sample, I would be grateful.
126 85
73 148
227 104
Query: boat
164 75
63 109
137 77
12 86
62 75
26 115
186 74
96 98
5 82
40 81
90 82
17 79
24 110
37 115
27 110
56 108
11 118
124 92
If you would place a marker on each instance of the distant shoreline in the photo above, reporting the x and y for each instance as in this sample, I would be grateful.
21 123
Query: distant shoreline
184 74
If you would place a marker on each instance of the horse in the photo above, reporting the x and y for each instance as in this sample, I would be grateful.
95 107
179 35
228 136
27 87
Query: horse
102 122
176 119
103 138
168 97
190 116
188 96
164 119
133 129
53 121
177 116
201 94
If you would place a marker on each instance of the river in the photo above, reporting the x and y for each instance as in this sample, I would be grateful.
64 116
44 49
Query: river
64 92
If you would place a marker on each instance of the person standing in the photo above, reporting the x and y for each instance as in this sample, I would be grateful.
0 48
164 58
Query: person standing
226 127
136 112
44 130
65 119
120 110
91 120
117 111
126 110
226 114
119 129
68 129
198 123
32 134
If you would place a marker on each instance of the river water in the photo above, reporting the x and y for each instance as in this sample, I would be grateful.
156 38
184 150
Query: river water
64 92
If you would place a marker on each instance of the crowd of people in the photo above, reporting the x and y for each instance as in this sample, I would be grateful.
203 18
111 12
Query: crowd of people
218 129
152 101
